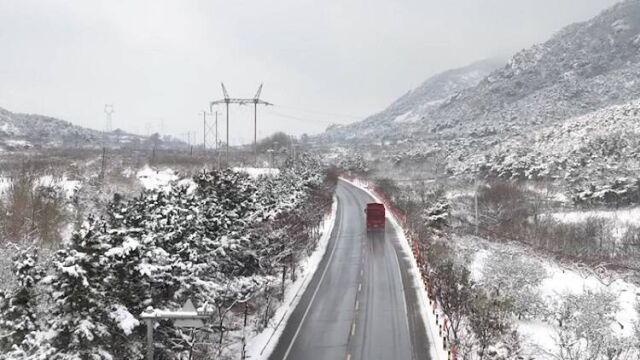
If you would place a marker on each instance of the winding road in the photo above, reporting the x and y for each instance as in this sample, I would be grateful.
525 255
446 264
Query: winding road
360 303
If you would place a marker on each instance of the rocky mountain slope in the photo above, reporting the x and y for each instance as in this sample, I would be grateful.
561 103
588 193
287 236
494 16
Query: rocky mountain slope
584 67
565 111
596 156
410 107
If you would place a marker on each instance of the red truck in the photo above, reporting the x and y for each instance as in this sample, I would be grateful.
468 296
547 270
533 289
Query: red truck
375 216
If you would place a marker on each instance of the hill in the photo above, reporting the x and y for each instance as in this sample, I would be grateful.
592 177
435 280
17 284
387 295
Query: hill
22 131
410 108
516 121
584 67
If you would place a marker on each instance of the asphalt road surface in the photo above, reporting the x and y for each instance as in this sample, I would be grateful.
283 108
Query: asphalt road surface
360 303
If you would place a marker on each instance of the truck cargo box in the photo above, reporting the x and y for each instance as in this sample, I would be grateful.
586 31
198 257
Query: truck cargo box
375 215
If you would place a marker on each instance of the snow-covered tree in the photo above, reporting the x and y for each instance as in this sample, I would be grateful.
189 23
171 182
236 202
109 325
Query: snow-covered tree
489 319
584 326
453 288
79 317
221 240
516 277
18 308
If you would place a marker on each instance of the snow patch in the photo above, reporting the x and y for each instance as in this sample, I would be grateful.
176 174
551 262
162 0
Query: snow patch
629 216
124 319
257 172
560 281
407 117
620 219
156 179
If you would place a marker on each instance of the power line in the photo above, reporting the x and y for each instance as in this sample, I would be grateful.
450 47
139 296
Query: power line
324 113
271 112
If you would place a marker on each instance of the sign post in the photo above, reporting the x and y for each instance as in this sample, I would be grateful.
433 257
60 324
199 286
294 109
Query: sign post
187 317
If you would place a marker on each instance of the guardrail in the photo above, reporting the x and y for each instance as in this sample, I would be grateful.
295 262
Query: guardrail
437 316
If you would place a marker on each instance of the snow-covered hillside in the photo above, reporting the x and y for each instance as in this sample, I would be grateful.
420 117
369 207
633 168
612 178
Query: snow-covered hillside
592 153
584 67
411 107
565 110
23 131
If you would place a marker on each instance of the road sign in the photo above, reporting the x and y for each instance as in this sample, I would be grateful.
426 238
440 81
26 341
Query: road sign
188 323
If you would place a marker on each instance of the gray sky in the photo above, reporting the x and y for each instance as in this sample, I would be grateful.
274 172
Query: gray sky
162 61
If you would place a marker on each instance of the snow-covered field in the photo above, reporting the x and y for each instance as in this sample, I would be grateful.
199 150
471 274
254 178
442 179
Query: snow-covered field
540 335
155 179
629 216
620 219
256 172
68 186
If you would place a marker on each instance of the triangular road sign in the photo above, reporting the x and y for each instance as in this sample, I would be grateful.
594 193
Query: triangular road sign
189 323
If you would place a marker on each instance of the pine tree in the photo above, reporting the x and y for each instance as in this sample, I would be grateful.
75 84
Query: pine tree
18 317
80 320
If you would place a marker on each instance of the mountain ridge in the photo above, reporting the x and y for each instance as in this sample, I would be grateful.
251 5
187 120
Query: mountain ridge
583 67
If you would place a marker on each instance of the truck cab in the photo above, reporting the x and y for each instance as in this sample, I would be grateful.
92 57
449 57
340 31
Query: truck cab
375 215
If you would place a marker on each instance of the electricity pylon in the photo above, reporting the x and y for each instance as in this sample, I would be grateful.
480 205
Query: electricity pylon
255 101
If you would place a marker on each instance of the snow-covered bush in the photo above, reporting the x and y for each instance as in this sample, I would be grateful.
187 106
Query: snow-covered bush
503 209
453 289
436 216
31 209
583 327
518 278
489 319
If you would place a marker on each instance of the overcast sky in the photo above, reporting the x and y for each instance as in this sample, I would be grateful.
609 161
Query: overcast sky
161 62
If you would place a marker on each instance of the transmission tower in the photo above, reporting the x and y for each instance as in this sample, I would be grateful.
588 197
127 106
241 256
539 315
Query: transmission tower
108 110
210 130
255 101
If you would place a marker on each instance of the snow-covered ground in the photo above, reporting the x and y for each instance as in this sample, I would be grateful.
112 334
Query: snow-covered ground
18 143
67 185
620 219
155 179
256 172
560 280
261 345
620 216
4 184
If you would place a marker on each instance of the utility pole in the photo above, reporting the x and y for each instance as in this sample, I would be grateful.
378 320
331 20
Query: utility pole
475 197
227 150
228 100
217 143
204 132
256 100
108 110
